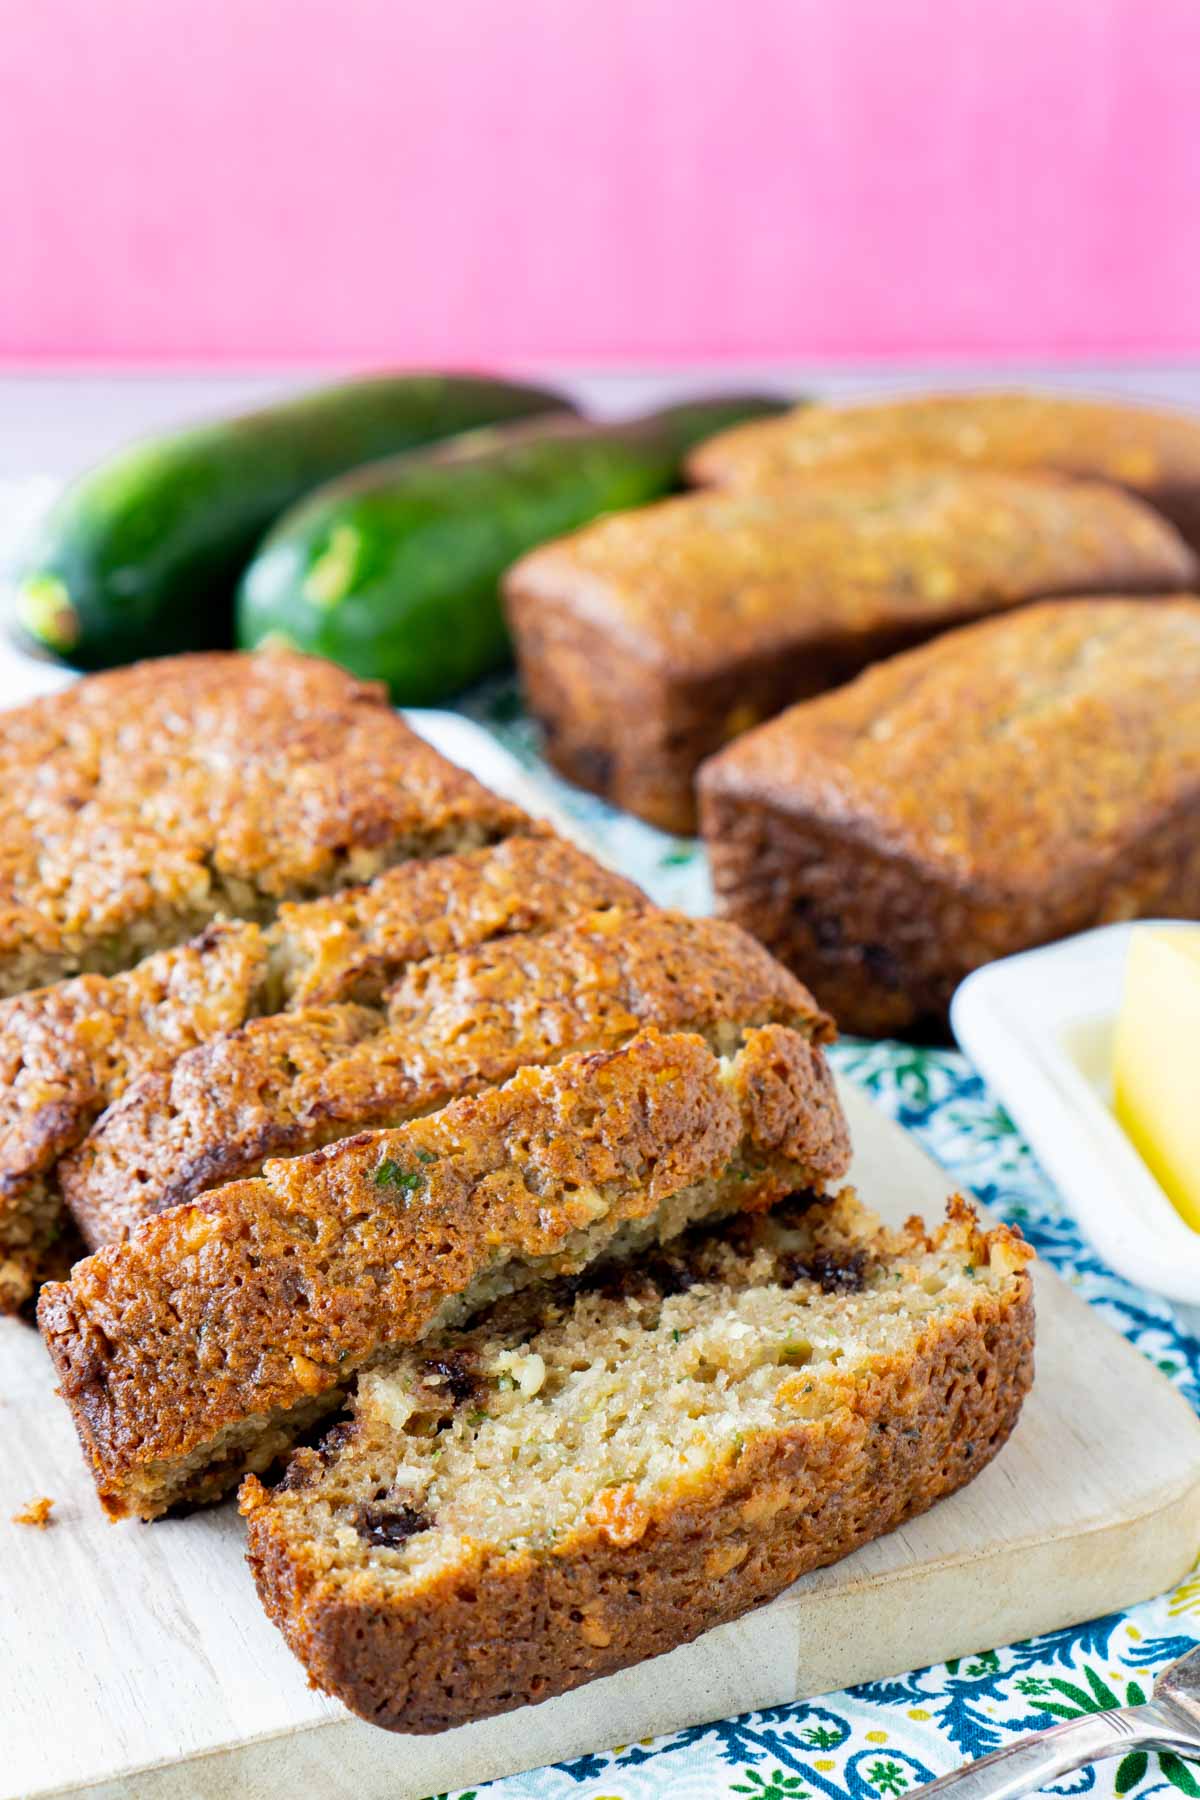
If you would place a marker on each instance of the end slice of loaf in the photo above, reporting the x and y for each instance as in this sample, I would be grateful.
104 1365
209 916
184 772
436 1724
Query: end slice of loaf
285 1085
590 1476
204 1345
70 1050
139 804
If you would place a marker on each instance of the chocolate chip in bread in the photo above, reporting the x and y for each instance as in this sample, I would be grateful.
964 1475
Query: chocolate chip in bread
638 1461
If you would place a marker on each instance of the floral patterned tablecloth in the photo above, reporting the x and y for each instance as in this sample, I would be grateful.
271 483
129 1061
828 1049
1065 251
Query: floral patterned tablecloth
883 1739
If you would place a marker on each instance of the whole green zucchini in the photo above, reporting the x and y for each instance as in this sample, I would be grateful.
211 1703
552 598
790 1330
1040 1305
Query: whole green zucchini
394 571
141 555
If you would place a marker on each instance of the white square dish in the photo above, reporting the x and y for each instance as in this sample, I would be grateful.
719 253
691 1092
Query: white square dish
1039 1027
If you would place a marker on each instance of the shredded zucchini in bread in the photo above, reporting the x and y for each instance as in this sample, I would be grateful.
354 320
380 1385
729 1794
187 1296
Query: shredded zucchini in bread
208 1341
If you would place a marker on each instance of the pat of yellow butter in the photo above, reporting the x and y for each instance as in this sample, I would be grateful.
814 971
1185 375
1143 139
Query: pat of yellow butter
1156 1061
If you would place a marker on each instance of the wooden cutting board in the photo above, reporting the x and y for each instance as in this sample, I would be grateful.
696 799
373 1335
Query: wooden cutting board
134 1660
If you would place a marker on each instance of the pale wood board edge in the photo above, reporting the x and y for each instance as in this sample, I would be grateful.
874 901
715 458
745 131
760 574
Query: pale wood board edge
810 1641
1015 1597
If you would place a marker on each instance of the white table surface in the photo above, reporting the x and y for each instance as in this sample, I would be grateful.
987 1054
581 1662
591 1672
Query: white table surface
58 421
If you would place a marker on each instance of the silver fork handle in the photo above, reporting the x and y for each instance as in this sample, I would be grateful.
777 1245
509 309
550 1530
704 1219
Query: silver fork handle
1022 1768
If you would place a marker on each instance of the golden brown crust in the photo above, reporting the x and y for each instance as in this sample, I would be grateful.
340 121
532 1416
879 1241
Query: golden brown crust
454 1024
70 1050
137 805
1012 782
66 1050
649 639
275 1087
21 1270
495 1631
265 1296
1149 451
353 945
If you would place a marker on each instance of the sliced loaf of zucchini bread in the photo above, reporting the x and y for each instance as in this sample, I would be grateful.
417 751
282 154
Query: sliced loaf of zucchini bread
600 1470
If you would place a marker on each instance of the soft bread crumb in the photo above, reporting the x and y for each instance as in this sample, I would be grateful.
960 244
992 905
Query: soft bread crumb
264 1299
590 1410
699 1426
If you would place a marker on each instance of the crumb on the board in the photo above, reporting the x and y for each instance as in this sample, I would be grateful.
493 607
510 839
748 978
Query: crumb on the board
37 1513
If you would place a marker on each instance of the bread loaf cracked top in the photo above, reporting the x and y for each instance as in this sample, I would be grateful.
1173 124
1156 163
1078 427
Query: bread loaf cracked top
650 639
1016 781
1151 451
1005 753
701 583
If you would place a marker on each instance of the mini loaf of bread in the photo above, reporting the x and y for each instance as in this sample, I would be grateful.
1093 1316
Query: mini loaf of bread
138 805
593 1474
1150 451
70 1050
205 1344
651 638
1013 782
452 1025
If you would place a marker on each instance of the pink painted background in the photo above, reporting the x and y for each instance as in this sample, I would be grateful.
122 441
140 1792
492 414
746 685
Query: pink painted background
273 180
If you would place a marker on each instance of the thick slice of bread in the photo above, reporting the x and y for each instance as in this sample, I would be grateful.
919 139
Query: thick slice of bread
591 1475
203 1346
70 1050
454 1024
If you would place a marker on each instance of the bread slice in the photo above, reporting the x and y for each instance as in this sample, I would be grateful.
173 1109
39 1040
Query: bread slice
68 1051
354 944
202 1346
137 805
593 1474
285 1085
